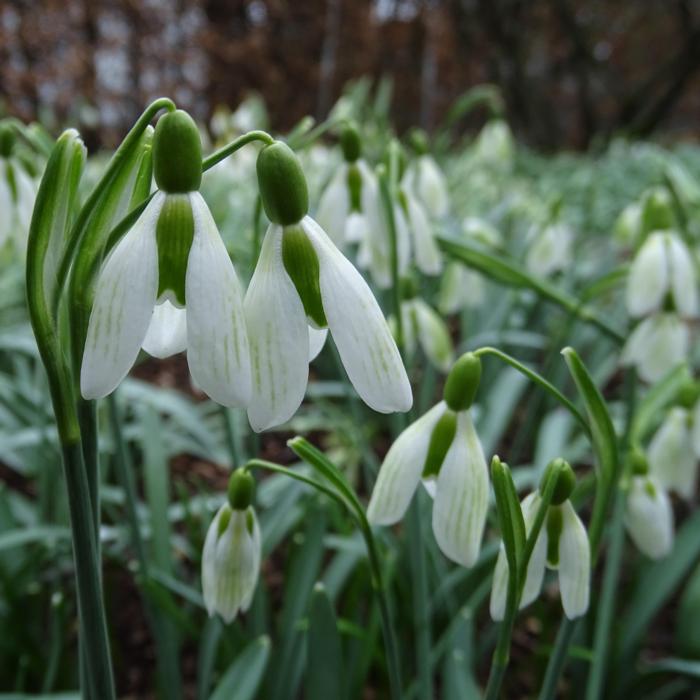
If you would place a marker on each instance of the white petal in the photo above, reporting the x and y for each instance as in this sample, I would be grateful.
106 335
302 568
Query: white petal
358 327
26 194
209 563
683 278
431 187
124 300
649 517
236 566
317 339
656 345
434 336
401 470
551 251
462 496
425 251
499 587
574 564
671 456
356 228
279 338
538 558
256 543
334 207
647 282
167 332
217 342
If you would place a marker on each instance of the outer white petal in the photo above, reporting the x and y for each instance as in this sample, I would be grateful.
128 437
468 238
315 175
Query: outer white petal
317 339
682 276
209 563
425 251
358 327
167 332
538 558
671 456
648 281
217 341
550 251
499 587
462 496
124 300
401 470
256 543
356 228
434 336
431 187
26 194
279 338
649 517
574 564
334 207
236 566
656 345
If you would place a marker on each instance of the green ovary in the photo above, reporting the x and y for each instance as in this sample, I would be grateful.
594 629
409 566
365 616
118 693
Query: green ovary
174 235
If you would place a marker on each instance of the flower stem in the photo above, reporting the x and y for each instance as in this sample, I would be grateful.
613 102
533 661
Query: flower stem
224 152
92 615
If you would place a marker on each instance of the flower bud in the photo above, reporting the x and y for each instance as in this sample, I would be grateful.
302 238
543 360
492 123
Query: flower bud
462 382
560 470
177 153
241 489
350 142
637 463
419 141
657 210
282 183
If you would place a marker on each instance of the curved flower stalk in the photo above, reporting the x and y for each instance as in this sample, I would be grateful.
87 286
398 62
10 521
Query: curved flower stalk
550 250
302 281
17 193
349 206
169 284
672 453
423 326
442 450
460 286
562 544
232 552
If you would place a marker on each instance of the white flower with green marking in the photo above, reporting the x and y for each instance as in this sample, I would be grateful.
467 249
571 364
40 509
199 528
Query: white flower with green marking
649 517
169 285
662 275
550 250
441 449
426 181
303 281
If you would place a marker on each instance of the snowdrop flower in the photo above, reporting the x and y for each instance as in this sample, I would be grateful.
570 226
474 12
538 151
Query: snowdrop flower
423 326
495 145
424 251
550 250
628 225
302 280
663 270
648 512
232 552
672 459
443 450
425 180
169 284
562 545
659 343
348 210
17 193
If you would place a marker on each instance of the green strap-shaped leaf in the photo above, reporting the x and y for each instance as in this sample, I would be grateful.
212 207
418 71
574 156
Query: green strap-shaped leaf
243 678
324 659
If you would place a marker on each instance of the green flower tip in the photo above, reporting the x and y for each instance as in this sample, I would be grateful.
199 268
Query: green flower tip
177 153
657 210
408 287
350 142
282 183
689 394
8 137
560 470
462 382
440 442
241 489
637 462
418 140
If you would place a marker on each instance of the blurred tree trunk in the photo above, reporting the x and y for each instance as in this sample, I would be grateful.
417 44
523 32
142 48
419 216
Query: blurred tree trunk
329 58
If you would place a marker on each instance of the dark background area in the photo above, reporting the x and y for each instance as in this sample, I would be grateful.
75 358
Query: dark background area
569 71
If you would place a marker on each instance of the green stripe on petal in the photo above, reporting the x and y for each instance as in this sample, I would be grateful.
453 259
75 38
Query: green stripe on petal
174 235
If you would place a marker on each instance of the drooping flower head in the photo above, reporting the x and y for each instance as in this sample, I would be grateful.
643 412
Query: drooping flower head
303 281
550 250
232 551
442 450
562 545
425 180
169 284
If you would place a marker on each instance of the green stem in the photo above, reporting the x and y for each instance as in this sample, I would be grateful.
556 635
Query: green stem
230 433
355 509
87 418
538 379
558 659
87 572
230 148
